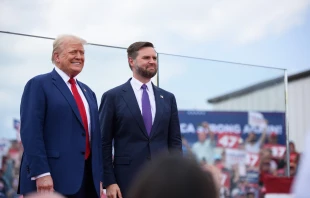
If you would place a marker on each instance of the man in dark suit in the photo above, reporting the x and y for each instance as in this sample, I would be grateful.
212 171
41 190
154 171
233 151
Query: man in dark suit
60 128
141 120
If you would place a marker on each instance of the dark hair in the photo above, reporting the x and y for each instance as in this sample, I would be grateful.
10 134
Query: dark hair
173 177
132 50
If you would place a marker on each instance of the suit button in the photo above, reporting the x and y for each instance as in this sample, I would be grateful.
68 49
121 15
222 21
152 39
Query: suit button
83 153
148 157
83 134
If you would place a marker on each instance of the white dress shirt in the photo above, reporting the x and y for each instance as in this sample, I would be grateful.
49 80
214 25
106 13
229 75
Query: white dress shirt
66 78
136 86
204 150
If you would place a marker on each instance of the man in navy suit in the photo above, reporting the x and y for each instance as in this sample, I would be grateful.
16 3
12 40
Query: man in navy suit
60 128
141 120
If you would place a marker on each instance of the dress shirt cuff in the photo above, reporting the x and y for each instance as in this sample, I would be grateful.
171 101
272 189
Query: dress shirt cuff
42 175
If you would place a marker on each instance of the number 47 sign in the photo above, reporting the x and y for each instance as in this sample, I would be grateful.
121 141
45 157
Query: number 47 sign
252 159
277 150
228 140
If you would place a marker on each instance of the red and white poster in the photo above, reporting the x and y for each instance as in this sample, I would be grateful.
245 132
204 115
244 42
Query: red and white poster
225 179
278 150
256 119
235 156
228 140
252 159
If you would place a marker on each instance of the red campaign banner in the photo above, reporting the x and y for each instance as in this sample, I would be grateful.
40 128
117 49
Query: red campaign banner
225 179
278 150
252 159
228 140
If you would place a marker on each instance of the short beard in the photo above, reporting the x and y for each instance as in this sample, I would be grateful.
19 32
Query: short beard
144 72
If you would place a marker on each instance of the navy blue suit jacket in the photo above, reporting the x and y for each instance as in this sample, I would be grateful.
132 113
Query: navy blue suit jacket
121 122
53 135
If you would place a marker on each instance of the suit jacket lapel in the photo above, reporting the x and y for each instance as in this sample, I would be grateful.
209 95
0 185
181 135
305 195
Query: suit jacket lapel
130 99
159 109
63 88
90 103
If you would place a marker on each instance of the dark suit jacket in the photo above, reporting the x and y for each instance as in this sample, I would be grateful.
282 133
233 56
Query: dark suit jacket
121 122
53 135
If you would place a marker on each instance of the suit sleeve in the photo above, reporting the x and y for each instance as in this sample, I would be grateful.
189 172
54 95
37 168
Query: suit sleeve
174 141
106 119
32 115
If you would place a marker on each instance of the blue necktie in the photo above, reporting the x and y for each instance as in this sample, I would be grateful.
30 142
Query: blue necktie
146 110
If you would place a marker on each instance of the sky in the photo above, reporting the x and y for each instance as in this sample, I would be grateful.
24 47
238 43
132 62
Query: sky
257 32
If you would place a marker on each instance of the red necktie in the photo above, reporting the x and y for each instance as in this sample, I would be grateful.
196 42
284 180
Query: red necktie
81 108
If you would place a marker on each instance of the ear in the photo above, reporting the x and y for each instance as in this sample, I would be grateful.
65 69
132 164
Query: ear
131 61
56 57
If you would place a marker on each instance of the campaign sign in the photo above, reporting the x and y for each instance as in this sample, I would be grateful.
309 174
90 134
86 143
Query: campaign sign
235 156
278 150
252 159
228 140
225 179
228 126
252 177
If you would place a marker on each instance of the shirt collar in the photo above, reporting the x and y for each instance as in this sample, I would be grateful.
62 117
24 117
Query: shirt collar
137 84
63 75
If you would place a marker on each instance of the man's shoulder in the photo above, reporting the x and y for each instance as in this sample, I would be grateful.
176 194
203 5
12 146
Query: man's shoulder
40 78
164 92
117 89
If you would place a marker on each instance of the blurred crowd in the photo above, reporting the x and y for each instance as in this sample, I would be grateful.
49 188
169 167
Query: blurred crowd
11 152
240 170
244 167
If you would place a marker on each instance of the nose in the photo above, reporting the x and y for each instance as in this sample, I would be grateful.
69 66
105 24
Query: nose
153 60
79 55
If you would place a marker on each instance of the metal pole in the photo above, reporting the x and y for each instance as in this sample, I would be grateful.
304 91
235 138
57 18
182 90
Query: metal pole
157 70
117 47
50 38
287 125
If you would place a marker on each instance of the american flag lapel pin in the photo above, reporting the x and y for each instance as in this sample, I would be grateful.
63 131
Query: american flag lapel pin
84 90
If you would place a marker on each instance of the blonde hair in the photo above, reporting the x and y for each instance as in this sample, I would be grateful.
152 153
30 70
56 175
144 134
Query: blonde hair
59 41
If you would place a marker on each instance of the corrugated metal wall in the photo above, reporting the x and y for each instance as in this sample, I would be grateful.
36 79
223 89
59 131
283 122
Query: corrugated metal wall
267 99
272 99
299 110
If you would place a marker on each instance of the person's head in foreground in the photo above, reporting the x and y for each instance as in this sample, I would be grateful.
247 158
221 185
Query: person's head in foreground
174 177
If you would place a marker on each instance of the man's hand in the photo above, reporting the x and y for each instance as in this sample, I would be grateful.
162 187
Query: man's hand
113 191
45 184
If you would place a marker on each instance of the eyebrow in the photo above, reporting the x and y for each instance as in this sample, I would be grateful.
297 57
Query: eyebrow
76 50
146 56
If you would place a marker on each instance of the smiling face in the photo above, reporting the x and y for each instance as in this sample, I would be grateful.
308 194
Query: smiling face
69 57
